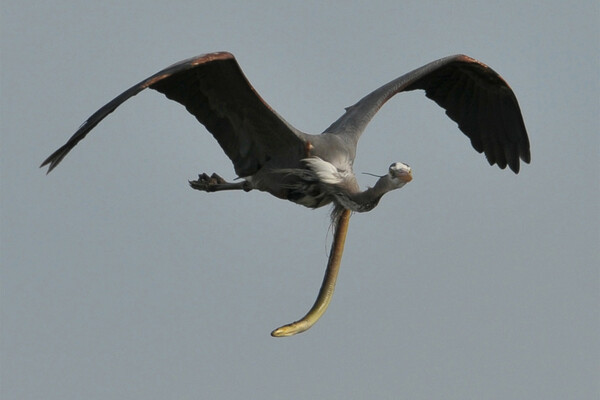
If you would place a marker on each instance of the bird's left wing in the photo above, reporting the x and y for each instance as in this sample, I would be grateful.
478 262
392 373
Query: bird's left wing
214 89
473 95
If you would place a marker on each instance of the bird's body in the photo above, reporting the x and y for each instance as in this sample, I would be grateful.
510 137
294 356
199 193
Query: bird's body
320 178
315 170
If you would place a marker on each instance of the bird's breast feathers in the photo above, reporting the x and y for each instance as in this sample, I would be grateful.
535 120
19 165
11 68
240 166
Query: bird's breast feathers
326 172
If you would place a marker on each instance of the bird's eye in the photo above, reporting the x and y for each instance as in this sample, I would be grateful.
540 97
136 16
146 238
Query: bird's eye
399 165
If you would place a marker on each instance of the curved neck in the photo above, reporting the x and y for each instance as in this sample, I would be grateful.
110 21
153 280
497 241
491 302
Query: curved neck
367 199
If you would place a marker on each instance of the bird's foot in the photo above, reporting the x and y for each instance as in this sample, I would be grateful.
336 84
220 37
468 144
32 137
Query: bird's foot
215 183
207 183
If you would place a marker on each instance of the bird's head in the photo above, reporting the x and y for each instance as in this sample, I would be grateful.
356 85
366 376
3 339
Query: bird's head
399 174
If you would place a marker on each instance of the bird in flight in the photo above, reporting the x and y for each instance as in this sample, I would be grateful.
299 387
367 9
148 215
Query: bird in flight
315 170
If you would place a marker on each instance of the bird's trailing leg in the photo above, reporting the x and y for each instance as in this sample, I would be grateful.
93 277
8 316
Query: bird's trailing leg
328 285
215 183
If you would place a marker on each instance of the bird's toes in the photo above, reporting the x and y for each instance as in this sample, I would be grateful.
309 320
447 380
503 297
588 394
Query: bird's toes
202 183
207 183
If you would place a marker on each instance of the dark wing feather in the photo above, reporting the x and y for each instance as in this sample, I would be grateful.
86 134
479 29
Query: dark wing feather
473 95
214 89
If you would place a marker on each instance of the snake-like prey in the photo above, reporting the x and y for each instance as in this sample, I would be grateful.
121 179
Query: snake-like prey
328 285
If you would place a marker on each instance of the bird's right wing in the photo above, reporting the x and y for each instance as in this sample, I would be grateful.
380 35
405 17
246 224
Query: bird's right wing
214 89
473 95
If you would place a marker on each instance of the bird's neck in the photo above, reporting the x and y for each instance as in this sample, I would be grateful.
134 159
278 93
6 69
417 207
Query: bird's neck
366 200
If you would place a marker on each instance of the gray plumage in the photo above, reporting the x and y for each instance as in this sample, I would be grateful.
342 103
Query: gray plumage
314 170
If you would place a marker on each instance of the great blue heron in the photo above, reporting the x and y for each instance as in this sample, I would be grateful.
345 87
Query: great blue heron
315 170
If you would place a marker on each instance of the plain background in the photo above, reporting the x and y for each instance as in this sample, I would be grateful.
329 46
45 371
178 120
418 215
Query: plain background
120 282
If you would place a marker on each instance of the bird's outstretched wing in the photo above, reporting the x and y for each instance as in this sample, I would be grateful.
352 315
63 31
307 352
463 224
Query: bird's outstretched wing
473 95
214 89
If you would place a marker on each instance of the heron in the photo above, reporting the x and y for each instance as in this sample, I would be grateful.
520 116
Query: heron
314 170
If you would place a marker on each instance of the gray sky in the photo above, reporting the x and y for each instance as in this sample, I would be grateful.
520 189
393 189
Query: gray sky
120 282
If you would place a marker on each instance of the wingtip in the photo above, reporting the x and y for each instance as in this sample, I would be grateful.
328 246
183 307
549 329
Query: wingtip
49 164
51 167
44 163
53 160
525 157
